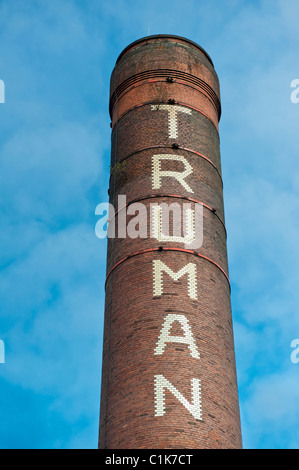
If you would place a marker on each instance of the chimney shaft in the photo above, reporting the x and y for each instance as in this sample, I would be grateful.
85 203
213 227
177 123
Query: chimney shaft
168 377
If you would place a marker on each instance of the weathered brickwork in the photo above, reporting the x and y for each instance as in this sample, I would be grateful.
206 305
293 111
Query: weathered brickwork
141 128
168 377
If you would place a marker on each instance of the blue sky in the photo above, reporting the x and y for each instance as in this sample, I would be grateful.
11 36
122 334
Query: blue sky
56 60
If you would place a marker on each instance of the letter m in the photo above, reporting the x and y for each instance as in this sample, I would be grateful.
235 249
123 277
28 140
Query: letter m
159 267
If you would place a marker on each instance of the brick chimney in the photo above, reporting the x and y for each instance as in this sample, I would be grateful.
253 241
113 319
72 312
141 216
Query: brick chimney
168 376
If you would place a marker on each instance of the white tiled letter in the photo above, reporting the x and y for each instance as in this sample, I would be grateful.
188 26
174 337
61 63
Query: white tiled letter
157 223
165 337
172 116
157 173
161 383
159 267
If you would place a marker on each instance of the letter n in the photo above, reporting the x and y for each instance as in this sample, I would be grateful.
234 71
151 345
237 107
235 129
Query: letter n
194 407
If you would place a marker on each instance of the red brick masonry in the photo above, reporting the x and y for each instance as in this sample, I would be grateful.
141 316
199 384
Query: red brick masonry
168 377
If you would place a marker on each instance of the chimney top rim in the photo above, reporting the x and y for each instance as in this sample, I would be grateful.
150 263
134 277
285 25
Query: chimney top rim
164 36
